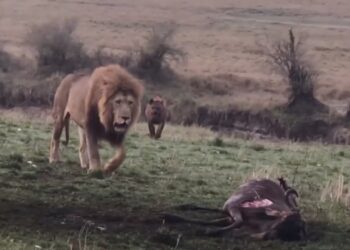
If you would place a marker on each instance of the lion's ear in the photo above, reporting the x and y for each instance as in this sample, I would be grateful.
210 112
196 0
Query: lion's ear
105 80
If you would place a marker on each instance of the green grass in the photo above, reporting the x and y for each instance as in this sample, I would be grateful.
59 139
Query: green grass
51 206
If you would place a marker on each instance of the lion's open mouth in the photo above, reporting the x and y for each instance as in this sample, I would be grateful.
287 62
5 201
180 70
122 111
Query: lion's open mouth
155 112
120 126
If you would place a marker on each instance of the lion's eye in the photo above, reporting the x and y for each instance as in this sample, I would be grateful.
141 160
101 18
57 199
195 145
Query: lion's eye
118 101
130 102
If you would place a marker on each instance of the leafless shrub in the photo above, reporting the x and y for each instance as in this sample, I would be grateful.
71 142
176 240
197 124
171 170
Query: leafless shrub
101 57
151 60
57 50
158 52
347 114
288 58
8 62
184 111
26 90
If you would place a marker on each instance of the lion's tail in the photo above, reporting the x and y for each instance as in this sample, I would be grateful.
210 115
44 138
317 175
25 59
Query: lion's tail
66 125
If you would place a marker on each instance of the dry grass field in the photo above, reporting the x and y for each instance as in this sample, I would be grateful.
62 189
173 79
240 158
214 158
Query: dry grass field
219 37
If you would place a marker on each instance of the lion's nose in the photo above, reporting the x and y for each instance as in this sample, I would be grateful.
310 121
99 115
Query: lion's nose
125 118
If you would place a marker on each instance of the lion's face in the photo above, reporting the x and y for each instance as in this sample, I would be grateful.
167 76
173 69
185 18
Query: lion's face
118 97
123 109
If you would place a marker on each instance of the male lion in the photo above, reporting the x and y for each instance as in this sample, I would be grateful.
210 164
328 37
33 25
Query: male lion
156 114
104 105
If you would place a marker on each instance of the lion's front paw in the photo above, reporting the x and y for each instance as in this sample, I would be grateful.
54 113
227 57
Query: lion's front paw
96 173
107 173
84 166
53 160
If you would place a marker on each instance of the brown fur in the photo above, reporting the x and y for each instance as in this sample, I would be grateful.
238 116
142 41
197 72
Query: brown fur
156 113
104 105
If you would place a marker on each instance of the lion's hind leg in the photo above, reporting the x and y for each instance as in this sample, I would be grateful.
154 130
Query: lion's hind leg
55 141
83 154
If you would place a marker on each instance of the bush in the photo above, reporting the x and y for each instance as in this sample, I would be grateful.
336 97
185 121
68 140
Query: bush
157 52
288 58
185 111
101 57
25 90
57 50
347 114
7 62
